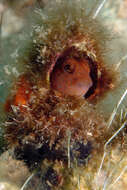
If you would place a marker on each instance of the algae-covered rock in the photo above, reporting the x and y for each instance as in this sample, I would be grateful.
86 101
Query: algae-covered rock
63 96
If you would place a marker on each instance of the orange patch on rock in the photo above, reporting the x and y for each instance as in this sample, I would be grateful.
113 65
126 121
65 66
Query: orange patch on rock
22 96
23 93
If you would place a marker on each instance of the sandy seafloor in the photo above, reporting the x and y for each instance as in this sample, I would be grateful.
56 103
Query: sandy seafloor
13 173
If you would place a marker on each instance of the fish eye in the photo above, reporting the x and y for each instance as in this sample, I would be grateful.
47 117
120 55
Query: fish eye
69 67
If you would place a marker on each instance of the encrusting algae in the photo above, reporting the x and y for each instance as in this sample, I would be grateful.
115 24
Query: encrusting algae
53 121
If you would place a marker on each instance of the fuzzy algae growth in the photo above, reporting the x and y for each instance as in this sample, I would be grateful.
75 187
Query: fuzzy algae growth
65 140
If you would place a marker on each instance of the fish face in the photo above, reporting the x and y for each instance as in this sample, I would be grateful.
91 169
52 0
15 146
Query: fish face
71 76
